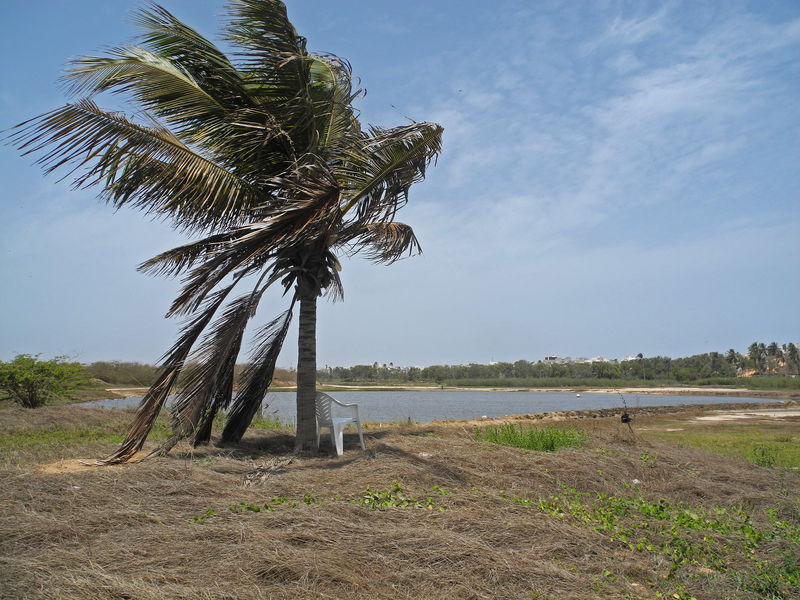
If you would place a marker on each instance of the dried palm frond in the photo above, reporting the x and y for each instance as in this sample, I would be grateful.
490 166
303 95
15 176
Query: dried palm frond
156 396
257 377
382 242
209 384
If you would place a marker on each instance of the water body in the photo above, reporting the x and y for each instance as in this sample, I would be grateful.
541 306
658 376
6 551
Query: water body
427 406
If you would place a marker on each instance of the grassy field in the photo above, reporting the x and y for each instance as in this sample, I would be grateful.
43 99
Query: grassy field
674 507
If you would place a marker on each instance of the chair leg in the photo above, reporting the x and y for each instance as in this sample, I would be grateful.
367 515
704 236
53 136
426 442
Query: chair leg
360 435
337 435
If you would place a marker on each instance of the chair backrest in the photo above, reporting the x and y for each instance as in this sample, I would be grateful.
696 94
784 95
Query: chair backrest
323 409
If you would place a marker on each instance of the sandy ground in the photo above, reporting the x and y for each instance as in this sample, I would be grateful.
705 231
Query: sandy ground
751 414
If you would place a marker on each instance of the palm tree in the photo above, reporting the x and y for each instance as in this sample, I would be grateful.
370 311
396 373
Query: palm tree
263 159
754 353
792 356
772 350
731 356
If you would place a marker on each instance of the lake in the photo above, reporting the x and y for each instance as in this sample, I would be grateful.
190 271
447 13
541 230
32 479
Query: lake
426 406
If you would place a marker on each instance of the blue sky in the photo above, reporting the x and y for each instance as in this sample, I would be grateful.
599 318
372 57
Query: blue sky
617 177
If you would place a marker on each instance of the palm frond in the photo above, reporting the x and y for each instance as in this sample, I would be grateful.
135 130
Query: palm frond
177 260
145 167
163 87
375 176
282 73
381 242
202 280
171 38
333 96
267 39
257 377
209 384
171 365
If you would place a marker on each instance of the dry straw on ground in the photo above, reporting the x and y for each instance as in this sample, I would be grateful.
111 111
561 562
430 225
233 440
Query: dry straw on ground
164 528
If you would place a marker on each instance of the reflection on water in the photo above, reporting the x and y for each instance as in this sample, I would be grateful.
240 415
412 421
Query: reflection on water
426 406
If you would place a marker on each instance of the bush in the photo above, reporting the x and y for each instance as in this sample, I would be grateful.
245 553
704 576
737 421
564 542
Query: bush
32 382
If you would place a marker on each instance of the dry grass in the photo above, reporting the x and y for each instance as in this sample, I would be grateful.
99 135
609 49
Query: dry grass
146 531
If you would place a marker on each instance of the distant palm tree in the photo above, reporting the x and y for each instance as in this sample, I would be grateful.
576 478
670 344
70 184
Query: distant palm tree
772 350
262 157
792 356
754 354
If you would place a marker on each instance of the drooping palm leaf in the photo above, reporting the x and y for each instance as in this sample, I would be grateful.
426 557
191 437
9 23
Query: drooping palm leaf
177 260
171 365
208 386
257 377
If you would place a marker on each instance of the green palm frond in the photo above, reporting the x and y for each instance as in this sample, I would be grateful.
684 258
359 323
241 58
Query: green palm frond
169 37
332 91
266 39
158 84
146 167
376 175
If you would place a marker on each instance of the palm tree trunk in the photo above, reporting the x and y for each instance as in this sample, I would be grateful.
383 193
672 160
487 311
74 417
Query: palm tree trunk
306 437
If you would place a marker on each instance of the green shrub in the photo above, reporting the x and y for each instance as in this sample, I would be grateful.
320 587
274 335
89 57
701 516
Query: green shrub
32 382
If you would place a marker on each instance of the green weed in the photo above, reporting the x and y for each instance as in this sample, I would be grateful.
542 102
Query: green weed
768 445
764 456
547 439
201 520
395 498
266 422
687 535
648 460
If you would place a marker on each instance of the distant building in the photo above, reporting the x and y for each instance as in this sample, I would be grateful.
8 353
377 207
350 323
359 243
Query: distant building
557 360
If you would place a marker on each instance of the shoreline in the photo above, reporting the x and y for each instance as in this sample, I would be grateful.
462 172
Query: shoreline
725 411
626 391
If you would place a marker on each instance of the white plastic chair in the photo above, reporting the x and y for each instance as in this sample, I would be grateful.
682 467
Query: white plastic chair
336 424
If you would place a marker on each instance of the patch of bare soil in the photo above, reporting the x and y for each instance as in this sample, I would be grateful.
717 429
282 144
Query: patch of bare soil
258 522
76 465
779 413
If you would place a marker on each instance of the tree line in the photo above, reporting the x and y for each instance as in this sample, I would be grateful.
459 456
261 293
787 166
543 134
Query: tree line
760 360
